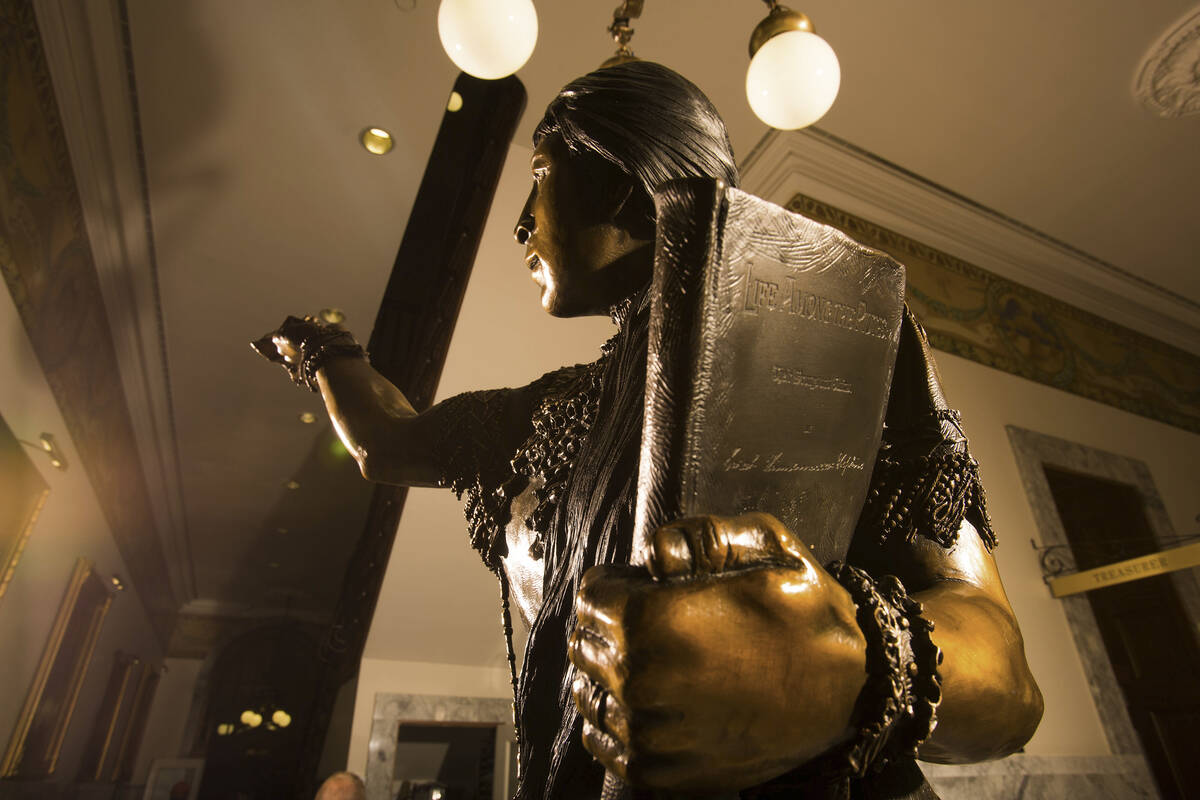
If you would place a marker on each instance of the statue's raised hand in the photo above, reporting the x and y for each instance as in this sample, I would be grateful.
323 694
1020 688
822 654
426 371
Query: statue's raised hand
302 344
734 660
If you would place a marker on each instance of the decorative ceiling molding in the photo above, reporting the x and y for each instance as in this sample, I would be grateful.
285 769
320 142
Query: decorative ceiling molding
976 314
1168 80
822 166
87 53
50 274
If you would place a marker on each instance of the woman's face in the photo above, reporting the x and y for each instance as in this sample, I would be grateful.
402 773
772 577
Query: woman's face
577 249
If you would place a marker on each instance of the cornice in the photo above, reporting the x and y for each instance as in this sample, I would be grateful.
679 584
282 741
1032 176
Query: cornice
87 53
822 166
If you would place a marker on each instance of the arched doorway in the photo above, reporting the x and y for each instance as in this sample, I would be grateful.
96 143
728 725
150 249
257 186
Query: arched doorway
260 697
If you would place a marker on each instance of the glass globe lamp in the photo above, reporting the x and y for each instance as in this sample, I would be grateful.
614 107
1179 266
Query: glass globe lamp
794 74
488 38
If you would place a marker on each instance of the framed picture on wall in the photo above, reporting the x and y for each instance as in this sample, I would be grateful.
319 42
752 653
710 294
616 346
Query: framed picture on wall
23 492
100 753
118 726
42 724
139 713
174 779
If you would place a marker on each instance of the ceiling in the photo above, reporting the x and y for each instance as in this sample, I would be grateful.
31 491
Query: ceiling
262 204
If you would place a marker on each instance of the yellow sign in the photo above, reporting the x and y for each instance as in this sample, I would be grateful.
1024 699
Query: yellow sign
1129 570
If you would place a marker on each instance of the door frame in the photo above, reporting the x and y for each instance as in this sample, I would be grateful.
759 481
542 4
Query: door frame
1032 451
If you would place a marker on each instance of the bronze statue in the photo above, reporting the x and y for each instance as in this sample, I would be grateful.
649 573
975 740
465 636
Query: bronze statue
733 661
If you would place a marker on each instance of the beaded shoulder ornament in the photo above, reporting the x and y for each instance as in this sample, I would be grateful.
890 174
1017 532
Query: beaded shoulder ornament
560 423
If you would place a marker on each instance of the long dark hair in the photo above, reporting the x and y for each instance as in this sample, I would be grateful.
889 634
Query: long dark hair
650 121
654 125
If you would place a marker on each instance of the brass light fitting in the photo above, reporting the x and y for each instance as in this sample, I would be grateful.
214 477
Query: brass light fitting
780 19
57 460
622 33
332 316
49 446
376 141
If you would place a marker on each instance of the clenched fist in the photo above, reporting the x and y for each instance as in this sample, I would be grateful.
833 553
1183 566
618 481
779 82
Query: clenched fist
734 659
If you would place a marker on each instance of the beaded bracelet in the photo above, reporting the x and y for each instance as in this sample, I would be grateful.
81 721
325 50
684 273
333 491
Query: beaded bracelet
315 358
318 345
924 680
898 705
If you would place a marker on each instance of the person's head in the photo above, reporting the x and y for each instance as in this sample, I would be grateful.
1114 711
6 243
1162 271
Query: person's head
342 786
606 142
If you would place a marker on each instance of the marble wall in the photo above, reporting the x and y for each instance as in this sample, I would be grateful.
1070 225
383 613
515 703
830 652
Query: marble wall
1118 777
391 710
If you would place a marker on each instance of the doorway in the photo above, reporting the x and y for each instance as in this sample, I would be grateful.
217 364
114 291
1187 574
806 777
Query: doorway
1144 626
259 700
456 760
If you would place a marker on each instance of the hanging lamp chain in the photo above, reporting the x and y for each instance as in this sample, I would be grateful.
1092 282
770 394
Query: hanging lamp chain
620 29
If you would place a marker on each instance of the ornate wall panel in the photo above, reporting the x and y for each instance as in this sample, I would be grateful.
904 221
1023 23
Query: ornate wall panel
47 264
973 313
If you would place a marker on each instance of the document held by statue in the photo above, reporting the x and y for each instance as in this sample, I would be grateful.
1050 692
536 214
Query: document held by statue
772 344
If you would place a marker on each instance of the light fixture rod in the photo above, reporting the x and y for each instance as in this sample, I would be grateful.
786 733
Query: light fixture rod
620 29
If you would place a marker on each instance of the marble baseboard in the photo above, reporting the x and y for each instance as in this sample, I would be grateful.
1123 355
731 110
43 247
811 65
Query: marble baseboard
1123 777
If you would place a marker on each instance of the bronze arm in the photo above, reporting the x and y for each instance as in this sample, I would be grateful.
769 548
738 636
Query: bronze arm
383 432
743 658
991 704
447 445
390 440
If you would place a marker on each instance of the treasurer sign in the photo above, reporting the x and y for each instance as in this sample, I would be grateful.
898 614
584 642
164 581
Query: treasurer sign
1129 570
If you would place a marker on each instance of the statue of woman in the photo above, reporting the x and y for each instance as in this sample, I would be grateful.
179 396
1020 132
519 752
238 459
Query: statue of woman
732 661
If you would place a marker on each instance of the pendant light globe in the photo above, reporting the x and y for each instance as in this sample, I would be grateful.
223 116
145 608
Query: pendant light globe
489 39
793 79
